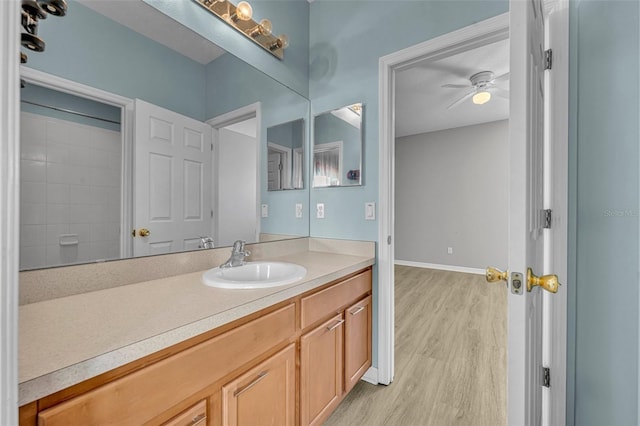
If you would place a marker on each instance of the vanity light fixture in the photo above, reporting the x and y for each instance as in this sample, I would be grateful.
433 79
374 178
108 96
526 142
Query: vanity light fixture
240 18
32 13
481 97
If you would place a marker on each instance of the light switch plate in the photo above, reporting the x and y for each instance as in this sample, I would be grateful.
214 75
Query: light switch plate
370 211
264 210
299 210
320 210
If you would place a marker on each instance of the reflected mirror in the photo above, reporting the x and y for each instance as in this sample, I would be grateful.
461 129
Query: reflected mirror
285 156
177 169
337 147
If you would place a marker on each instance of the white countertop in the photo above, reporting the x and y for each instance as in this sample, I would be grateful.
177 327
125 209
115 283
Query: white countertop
71 339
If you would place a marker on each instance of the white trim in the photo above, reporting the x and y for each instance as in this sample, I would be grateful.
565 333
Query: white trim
227 119
9 209
554 398
371 376
440 267
490 30
126 106
60 84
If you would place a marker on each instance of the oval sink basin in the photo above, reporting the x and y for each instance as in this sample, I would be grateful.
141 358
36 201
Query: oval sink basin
254 275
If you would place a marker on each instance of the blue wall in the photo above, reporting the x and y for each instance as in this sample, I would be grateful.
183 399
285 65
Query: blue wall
289 17
88 48
604 154
279 105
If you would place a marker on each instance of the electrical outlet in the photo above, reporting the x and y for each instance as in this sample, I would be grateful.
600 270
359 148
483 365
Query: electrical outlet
320 210
264 210
449 250
298 210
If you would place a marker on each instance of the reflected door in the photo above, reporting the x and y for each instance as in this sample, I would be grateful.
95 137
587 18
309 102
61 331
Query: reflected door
172 180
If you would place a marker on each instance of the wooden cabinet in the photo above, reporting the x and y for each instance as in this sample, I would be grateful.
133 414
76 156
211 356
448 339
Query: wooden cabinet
264 395
357 342
321 371
286 365
193 416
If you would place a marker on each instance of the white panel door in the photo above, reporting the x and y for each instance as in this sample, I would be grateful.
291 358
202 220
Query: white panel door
526 248
172 180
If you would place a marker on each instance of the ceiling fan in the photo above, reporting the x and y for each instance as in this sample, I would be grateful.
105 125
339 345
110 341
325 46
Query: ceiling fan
483 85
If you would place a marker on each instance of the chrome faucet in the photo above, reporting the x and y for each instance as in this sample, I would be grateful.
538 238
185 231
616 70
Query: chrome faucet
206 243
238 253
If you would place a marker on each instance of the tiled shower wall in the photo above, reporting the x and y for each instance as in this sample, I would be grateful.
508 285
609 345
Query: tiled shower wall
70 192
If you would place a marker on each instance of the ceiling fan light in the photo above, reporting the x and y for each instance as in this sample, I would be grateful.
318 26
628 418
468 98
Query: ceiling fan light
481 98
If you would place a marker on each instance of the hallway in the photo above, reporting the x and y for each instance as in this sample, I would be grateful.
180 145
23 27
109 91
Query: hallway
450 355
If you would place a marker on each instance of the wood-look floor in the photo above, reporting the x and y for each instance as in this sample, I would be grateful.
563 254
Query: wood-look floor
450 355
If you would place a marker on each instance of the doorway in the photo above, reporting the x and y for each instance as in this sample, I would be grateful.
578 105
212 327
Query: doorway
236 175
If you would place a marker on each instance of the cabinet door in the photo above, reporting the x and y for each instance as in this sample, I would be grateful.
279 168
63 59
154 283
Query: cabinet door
264 395
357 342
321 371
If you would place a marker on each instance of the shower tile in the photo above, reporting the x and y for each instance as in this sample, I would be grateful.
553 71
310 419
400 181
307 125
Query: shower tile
33 214
32 171
57 213
83 230
57 152
32 235
32 257
57 193
33 192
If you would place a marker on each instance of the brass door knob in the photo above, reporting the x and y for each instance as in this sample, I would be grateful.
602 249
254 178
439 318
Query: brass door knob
144 232
494 275
547 282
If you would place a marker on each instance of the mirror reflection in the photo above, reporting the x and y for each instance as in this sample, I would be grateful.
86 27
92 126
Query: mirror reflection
337 147
177 168
285 156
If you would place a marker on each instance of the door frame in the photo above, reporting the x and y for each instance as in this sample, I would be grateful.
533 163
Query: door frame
126 106
481 33
286 154
224 120
9 208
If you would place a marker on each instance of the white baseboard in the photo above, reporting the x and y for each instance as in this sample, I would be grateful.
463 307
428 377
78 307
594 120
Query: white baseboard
371 376
441 267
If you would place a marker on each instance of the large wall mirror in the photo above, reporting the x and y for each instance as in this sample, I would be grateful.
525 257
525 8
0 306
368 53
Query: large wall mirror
337 147
103 181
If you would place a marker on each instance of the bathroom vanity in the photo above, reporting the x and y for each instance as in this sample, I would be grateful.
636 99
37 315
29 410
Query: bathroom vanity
283 356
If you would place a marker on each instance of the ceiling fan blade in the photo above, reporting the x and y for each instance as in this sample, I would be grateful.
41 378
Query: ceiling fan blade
462 99
456 86
500 92
502 77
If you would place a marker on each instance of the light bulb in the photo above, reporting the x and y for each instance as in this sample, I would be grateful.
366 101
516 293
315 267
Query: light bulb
481 98
244 11
282 42
264 28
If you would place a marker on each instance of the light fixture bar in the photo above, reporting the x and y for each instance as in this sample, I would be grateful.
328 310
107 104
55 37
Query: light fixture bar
254 31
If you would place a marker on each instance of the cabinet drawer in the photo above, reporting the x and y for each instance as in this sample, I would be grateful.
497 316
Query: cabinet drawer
194 416
330 300
140 396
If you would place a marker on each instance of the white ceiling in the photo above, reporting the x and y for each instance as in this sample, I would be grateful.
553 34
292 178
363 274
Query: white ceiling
421 102
153 24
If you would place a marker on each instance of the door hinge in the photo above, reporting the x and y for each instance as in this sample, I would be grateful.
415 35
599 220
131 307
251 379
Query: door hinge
546 377
211 213
212 147
548 59
389 240
546 218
